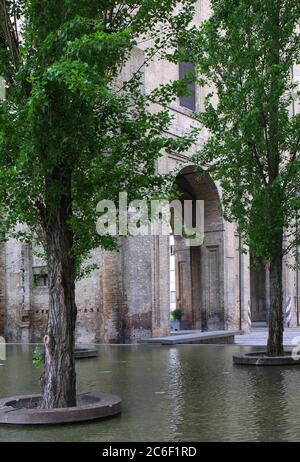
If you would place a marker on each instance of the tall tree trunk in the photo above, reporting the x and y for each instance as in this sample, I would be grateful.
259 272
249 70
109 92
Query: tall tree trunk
59 377
275 194
275 340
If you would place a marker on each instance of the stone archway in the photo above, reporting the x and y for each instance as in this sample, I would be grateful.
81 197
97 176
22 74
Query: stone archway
200 270
136 280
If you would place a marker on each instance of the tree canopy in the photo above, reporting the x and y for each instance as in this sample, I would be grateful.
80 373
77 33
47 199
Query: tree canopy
65 111
246 52
73 132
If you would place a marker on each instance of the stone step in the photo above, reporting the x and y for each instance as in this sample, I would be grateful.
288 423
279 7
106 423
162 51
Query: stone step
219 336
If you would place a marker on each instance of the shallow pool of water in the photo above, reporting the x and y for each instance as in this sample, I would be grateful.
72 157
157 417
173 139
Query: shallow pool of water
184 393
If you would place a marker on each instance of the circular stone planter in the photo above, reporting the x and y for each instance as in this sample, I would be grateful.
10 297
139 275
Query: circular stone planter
259 358
24 410
82 353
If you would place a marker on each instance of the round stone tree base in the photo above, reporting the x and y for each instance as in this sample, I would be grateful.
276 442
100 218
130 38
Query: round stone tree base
260 358
24 410
82 353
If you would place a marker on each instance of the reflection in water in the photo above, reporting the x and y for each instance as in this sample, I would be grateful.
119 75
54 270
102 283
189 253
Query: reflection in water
269 406
185 393
174 385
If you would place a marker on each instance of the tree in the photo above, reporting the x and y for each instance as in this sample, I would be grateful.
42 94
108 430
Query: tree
246 52
71 135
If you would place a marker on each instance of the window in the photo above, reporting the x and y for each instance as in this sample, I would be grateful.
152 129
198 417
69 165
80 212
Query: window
40 276
40 280
172 277
173 297
188 101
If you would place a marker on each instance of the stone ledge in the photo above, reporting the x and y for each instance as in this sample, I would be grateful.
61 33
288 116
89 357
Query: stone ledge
211 337
259 358
23 410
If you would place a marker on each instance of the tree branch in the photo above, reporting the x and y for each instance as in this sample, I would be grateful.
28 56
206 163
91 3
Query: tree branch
253 148
9 32
292 159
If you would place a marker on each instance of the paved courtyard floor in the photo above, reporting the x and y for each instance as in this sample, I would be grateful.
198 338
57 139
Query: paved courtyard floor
258 337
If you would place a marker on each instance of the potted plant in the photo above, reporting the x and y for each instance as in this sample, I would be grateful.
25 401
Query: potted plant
176 320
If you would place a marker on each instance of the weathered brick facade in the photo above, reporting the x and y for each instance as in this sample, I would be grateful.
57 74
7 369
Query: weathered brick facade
128 297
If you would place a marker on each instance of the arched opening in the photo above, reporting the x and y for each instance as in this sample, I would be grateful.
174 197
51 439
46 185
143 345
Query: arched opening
199 270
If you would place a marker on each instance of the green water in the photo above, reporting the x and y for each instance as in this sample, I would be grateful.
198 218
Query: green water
185 393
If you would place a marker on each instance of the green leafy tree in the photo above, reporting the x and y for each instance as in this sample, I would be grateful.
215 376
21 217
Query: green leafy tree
246 52
71 135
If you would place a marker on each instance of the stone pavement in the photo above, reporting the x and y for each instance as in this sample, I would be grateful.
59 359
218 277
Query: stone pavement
258 337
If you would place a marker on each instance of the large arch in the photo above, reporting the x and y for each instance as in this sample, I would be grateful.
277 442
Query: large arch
199 270
212 280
